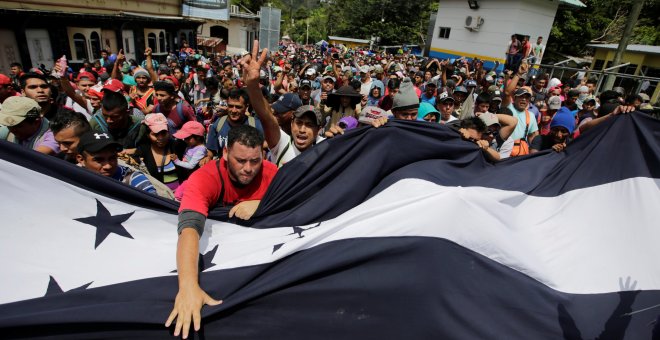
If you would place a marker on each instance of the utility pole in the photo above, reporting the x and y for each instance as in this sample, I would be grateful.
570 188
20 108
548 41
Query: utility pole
627 32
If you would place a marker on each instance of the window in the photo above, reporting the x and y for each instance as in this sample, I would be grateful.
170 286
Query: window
598 65
80 45
95 41
152 42
127 46
444 32
161 43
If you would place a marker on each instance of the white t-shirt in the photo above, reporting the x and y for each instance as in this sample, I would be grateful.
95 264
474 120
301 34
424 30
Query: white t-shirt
506 148
287 149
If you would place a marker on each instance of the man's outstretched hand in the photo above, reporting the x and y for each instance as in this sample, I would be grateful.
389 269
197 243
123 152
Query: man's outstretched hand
187 307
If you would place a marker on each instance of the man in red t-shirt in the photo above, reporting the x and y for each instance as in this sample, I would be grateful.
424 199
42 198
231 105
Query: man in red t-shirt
240 178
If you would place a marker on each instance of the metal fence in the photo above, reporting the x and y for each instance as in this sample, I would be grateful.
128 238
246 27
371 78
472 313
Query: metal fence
631 83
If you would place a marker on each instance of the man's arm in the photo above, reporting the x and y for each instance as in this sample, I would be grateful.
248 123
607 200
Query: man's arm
490 153
513 83
251 66
190 298
508 124
116 74
150 65
619 110
68 89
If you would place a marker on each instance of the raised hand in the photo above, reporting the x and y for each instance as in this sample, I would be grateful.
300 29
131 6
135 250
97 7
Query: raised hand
251 65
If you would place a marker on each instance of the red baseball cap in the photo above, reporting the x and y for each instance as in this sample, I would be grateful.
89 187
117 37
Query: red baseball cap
113 85
4 80
87 75
173 80
190 128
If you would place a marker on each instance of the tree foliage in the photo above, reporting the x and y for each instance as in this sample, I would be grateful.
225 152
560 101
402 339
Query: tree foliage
602 21
394 21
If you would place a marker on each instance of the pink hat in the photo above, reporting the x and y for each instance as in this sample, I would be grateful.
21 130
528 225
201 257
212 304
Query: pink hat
156 122
190 128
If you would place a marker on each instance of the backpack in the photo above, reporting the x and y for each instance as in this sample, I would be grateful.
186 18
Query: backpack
223 120
521 146
179 112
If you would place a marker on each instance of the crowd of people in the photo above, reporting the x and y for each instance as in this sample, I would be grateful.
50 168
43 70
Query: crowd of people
214 130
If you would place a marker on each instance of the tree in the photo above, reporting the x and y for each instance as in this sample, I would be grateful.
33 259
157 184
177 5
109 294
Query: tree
602 21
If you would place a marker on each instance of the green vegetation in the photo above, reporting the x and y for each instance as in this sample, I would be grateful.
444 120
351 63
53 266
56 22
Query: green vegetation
602 21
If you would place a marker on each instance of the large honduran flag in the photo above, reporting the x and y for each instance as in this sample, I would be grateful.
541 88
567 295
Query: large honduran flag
401 232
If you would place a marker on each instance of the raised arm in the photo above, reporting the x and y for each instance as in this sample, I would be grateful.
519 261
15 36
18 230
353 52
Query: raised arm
508 124
121 58
251 66
150 65
69 90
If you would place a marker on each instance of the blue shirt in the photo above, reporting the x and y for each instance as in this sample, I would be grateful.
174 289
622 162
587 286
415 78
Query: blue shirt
519 131
428 100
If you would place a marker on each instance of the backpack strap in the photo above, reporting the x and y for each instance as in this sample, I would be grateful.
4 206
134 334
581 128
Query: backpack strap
179 111
221 198
221 124
526 123
101 122
279 158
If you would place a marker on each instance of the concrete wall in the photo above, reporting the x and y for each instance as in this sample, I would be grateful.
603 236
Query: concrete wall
148 7
502 18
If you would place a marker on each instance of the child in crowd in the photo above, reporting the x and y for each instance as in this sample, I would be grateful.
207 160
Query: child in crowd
192 133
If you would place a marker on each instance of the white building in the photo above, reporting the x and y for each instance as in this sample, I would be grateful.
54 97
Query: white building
234 35
482 28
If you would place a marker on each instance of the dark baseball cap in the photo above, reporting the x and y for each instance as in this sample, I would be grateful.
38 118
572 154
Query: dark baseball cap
93 141
287 102
305 83
522 92
311 110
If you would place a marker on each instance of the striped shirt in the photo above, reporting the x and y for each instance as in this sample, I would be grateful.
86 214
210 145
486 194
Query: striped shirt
135 179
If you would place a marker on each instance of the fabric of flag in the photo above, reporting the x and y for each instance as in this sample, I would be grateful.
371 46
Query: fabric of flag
400 232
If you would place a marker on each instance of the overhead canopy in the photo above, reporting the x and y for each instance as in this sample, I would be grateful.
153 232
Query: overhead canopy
576 3
209 41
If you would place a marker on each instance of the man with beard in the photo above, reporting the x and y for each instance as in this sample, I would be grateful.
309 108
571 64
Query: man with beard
240 178
237 104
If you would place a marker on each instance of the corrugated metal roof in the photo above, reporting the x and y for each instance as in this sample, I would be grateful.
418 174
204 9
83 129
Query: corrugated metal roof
630 48
576 3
